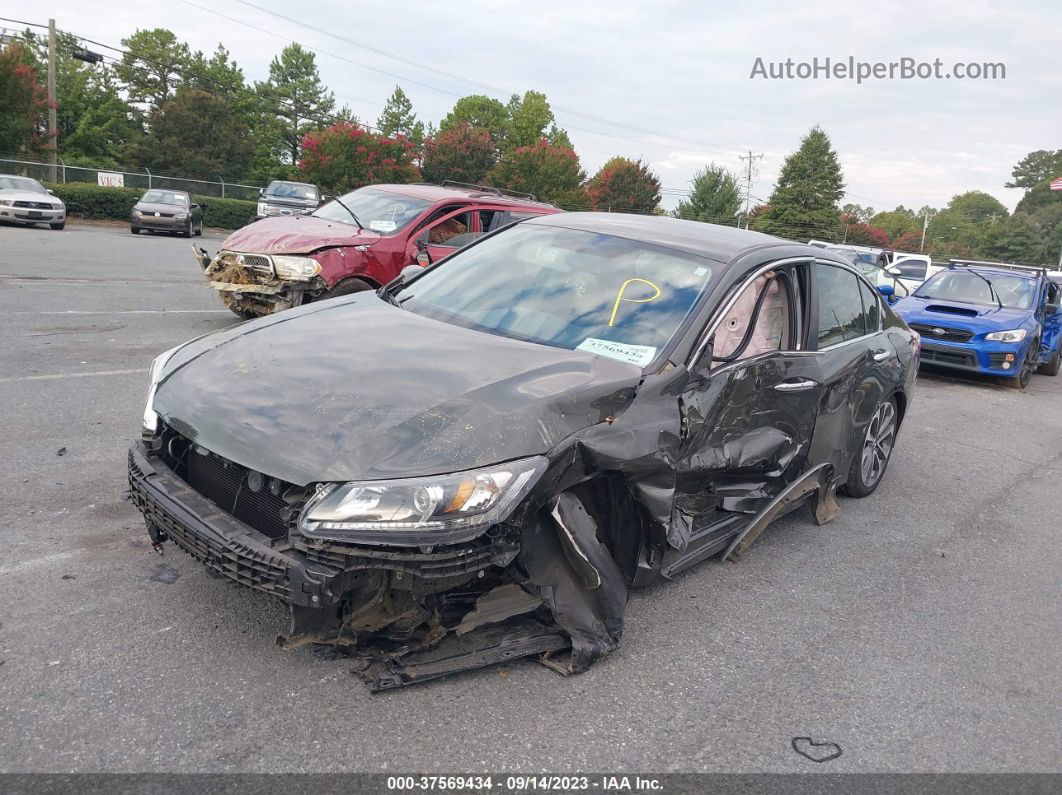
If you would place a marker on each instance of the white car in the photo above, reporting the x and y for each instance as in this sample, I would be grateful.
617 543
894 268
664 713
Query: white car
26 201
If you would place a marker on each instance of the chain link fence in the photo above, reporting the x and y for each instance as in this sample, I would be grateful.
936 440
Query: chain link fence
129 178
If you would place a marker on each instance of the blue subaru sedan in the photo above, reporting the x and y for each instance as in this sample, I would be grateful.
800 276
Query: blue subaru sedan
990 318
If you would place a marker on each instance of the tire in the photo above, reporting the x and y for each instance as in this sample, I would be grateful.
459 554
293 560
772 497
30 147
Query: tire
1052 366
187 232
134 230
868 467
61 225
347 287
199 230
1024 376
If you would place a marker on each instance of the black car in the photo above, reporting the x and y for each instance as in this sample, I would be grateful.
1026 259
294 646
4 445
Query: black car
281 197
568 408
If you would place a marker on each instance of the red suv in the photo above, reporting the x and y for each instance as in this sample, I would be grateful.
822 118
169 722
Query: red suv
356 242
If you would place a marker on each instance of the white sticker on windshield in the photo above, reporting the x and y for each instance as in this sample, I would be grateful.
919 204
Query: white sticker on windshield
383 226
632 354
700 271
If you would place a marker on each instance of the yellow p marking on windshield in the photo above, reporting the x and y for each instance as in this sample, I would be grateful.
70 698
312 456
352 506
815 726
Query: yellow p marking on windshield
619 296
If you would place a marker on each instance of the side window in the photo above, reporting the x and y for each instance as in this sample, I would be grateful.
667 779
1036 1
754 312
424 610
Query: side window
444 226
871 308
767 306
912 269
840 305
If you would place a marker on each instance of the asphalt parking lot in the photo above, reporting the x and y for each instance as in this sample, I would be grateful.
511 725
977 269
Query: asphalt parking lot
920 631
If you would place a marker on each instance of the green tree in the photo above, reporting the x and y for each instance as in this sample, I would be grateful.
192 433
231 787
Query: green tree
1035 167
529 116
978 207
804 201
24 101
301 100
398 118
858 212
1039 196
479 112
714 197
343 157
463 154
550 172
896 223
152 66
625 186
196 135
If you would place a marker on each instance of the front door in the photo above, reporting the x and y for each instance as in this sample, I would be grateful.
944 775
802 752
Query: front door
749 415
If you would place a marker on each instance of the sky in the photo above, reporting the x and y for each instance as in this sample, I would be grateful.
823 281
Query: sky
670 81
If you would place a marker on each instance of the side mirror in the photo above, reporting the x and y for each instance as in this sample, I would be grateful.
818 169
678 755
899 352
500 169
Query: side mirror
50 191
422 258
893 271
409 272
888 291
261 191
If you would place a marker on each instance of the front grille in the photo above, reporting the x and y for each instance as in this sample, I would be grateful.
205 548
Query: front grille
947 334
940 356
226 484
34 205
254 568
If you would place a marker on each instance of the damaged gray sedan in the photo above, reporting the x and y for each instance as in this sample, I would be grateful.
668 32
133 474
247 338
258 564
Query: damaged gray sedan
478 462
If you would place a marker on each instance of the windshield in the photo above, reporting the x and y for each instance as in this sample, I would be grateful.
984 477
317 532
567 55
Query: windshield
968 287
21 183
570 289
378 210
292 190
165 197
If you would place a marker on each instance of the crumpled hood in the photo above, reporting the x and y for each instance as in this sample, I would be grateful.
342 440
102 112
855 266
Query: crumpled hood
31 196
296 234
949 313
359 389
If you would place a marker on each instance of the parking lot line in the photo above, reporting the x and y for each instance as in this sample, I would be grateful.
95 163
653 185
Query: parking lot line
56 376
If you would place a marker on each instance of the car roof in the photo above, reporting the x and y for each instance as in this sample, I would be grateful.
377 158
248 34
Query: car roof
420 190
713 241
1021 274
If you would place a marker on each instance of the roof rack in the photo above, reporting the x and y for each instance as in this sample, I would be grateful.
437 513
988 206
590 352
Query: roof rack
489 190
977 263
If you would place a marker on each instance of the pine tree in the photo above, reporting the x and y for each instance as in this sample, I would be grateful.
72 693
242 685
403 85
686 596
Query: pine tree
398 118
302 103
715 197
804 202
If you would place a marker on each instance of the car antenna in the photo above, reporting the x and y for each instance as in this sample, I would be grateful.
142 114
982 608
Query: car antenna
340 202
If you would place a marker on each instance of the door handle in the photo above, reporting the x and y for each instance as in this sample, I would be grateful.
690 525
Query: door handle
796 385
880 355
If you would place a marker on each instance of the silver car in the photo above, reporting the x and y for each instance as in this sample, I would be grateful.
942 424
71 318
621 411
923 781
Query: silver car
26 201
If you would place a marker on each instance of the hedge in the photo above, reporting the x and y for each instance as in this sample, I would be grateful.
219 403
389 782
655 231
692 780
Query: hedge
92 201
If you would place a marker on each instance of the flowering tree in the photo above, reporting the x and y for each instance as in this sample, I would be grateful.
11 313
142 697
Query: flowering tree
344 156
463 153
24 103
625 186
550 172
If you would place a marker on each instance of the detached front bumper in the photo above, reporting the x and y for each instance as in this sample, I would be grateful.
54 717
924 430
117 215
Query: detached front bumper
987 358
221 542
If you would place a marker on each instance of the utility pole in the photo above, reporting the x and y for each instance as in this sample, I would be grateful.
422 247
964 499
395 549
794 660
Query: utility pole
53 124
748 181
925 226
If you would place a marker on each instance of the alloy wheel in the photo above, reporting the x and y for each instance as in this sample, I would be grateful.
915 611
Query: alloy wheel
877 445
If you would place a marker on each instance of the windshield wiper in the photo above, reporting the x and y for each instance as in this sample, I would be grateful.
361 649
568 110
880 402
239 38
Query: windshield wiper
339 201
991 289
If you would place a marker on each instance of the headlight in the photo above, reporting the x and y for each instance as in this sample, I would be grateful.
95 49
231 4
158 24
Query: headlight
440 509
151 419
5 202
180 216
1017 335
137 212
298 268
263 208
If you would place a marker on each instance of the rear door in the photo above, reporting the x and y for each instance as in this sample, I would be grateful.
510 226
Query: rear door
856 362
